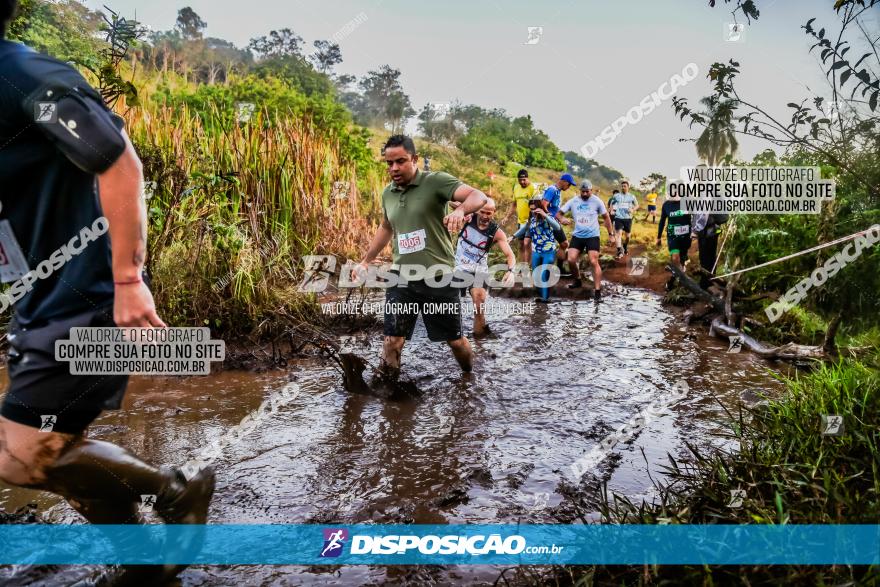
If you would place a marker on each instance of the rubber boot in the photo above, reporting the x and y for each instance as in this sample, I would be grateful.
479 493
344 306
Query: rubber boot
93 471
96 470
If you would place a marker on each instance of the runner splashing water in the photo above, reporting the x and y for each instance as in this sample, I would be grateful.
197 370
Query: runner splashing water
418 227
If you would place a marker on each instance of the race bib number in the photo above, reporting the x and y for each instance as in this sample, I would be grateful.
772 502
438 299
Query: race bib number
411 242
622 206
681 230
583 221
13 265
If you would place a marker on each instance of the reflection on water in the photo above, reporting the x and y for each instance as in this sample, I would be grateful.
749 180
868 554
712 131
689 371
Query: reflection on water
495 446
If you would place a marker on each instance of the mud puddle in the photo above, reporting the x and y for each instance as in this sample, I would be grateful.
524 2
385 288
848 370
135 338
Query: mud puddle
492 447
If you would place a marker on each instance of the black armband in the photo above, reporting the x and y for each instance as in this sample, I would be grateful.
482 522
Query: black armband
76 120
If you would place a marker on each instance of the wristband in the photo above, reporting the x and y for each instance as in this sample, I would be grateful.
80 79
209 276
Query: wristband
133 282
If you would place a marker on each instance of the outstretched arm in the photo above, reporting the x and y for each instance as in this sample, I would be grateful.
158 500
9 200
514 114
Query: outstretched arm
471 200
609 226
501 240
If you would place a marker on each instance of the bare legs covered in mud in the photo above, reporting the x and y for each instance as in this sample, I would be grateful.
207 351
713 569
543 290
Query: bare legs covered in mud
526 250
478 295
622 245
392 350
595 267
102 481
386 382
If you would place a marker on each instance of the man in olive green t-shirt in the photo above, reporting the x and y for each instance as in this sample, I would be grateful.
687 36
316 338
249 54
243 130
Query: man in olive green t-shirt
419 226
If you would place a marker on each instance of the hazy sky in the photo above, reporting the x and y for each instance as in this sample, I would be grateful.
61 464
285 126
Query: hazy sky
595 60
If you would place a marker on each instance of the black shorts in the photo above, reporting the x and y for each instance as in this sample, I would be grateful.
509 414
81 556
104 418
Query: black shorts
624 224
652 208
585 244
679 244
440 308
42 393
477 280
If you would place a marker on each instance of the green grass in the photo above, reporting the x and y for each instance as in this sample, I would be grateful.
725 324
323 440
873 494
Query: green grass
791 474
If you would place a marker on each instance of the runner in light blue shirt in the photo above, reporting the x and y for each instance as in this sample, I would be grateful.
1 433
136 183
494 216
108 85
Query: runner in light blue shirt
625 205
586 210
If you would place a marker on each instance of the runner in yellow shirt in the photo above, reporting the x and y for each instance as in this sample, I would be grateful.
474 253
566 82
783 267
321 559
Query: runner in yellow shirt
651 200
523 191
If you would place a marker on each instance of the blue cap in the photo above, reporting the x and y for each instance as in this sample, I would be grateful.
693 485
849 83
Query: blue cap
567 177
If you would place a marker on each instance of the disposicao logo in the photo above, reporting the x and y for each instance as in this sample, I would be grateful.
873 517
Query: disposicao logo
472 545
334 540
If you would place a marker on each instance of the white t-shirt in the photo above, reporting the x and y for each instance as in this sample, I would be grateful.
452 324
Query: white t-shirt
586 215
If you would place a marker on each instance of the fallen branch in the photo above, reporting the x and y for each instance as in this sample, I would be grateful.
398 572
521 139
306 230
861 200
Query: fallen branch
829 344
692 315
728 301
693 287
789 351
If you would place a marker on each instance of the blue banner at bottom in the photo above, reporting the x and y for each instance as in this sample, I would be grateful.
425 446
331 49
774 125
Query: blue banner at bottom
441 544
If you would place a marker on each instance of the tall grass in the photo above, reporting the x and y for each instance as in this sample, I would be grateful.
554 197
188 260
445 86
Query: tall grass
236 207
791 474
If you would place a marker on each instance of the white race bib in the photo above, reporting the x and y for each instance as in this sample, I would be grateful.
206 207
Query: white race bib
681 229
583 221
13 265
411 242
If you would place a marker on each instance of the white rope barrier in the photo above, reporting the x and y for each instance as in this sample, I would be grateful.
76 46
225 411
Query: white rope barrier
792 256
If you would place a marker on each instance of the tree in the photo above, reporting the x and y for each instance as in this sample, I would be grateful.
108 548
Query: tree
282 43
344 81
492 134
590 168
219 59
385 101
326 56
811 128
718 138
654 182
189 24
837 130
66 30
441 124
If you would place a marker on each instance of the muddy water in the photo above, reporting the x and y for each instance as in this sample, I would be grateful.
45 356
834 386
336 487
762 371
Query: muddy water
495 446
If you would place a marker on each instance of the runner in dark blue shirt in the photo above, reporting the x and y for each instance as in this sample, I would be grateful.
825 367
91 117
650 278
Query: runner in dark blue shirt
70 185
